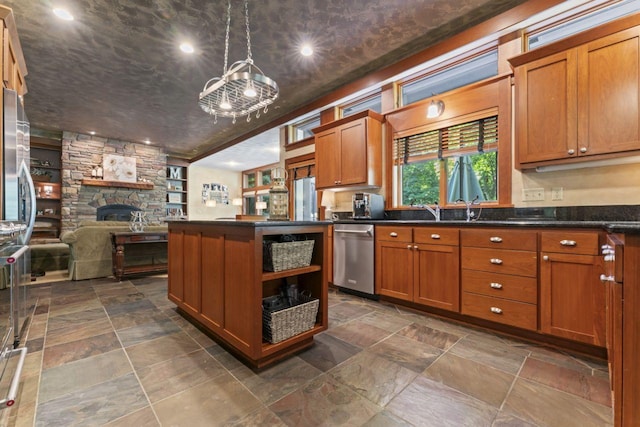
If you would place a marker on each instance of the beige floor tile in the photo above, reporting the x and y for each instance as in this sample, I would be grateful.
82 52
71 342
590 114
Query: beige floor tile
218 401
373 377
161 349
428 403
78 331
359 333
82 374
79 349
411 354
547 406
470 377
490 351
324 402
425 334
144 417
180 373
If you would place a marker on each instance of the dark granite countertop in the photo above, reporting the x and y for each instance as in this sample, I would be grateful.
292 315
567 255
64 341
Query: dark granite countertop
543 223
243 223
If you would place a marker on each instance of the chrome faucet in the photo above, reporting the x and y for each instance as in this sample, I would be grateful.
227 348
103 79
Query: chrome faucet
435 212
470 213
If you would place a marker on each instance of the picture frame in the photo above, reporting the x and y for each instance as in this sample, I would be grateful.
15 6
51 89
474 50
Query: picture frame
175 198
119 168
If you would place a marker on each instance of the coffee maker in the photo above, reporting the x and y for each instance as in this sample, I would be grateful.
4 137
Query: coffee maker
367 206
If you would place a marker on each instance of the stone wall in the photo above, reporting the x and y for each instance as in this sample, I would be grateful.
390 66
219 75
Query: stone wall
80 153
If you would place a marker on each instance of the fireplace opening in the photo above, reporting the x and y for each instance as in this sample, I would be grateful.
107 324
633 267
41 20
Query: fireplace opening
115 212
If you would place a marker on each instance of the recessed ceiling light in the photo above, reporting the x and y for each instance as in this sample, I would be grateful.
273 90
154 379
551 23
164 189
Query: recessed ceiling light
63 14
92 132
232 163
186 47
147 141
306 50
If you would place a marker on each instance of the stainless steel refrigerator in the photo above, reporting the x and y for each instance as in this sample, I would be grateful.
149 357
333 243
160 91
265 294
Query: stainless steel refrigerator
18 217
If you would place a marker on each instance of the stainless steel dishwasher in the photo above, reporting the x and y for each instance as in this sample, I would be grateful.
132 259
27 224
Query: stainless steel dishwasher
353 250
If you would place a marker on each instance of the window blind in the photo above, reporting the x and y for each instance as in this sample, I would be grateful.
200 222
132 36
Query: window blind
475 136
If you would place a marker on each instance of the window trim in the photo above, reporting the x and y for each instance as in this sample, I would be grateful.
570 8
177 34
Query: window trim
291 128
496 95
369 96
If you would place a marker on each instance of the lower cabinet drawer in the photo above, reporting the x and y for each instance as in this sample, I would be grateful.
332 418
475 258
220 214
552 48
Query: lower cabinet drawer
518 288
514 313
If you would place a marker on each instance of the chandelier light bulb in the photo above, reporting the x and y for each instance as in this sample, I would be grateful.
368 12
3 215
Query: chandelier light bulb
250 90
224 102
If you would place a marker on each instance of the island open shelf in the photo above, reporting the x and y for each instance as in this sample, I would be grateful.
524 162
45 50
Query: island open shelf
216 278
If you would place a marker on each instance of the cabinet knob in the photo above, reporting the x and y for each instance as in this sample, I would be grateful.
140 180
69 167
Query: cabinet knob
571 151
496 261
496 285
568 242
409 247
435 236
495 239
545 257
496 310
583 149
415 247
393 234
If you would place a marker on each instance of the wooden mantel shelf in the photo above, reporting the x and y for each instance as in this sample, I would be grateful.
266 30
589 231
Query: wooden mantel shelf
120 184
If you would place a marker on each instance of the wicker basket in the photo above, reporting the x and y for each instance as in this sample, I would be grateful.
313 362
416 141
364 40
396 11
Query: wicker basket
285 256
280 325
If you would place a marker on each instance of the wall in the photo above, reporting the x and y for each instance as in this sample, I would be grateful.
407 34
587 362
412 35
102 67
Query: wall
593 186
199 175
81 152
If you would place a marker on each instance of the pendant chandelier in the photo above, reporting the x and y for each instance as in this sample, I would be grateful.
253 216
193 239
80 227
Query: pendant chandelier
243 87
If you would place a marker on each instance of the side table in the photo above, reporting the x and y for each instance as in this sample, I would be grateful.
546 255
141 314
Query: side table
135 245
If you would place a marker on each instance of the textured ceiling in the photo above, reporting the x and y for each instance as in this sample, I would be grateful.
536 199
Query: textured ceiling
117 70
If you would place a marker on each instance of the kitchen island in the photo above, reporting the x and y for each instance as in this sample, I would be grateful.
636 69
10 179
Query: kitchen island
217 280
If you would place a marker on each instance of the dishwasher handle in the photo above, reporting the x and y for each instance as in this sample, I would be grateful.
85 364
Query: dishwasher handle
364 232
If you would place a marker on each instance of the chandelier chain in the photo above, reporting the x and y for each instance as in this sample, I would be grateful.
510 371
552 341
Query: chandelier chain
226 39
246 15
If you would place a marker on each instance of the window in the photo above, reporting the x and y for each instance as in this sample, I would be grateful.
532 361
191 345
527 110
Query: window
559 30
304 198
470 71
371 102
302 129
464 154
256 183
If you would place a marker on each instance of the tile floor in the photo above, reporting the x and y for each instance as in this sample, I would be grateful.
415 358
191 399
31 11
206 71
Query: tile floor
103 353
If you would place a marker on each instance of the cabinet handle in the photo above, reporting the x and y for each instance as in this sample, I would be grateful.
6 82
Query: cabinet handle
393 234
571 151
435 236
496 285
495 239
583 149
568 242
545 257
409 247
496 310
415 247
496 261
604 278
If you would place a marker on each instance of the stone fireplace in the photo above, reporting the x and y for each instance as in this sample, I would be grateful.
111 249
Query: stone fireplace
80 202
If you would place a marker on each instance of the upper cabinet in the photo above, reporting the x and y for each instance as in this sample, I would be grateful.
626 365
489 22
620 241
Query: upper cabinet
578 99
349 152
14 68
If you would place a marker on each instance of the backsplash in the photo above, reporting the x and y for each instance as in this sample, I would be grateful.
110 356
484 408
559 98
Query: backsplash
560 213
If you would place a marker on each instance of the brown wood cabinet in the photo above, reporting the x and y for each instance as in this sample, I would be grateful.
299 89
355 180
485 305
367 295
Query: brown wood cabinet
579 99
572 299
499 276
349 152
216 278
420 265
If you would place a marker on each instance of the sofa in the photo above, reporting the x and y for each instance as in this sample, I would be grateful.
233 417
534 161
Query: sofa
90 248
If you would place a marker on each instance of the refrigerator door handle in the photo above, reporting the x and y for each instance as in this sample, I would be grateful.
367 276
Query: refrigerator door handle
26 175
